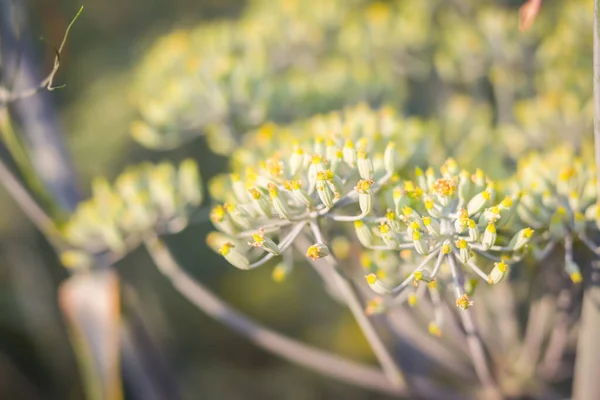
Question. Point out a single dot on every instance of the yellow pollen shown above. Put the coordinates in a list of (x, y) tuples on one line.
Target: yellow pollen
[(444, 187), (363, 186), (255, 194), (384, 228), (507, 202), (463, 302), (225, 249), (218, 213), (502, 266), (371, 279), (273, 191)]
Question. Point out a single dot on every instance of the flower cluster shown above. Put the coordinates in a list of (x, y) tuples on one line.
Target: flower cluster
[(350, 158), (448, 227), (559, 202), (325, 57), (240, 73), (444, 223), (143, 198)]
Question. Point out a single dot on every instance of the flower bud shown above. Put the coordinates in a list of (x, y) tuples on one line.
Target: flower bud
[(260, 203), (450, 167), (365, 166), (463, 302), (498, 273), (296, 160), (446, 247), (432, 209), (478, 179), (430, 177), (389, 158), (238, 215), (489, 236), (376, 285), (324, 191), (520, 239), (239, 189), (473, 230), (393, 221), (365, 197), (464, 188), (489, 215), (389, 237), (400, 200), (279, 204), (298, 193), (330, 149), (314, 168), (222, 221), (478, 202), (420, 178), (317, 251), (349, 153), (336, 160), (363, 233), (421, 245), (335, 184), (319, 146), (234, 257), (464, 251), (422, 276), (574, 271), (508, 207), (264, 243), (432, 225), (410, 215)]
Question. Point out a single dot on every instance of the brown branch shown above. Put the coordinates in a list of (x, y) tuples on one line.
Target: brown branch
[(7, 96), (319, 360)]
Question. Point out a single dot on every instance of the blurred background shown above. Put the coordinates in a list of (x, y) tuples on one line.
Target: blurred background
[(463, 64)]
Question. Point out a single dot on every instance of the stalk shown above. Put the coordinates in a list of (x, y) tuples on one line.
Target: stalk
[(586, 383)]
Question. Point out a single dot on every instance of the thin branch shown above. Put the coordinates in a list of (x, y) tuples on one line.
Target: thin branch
[(30, 207), (473, 338), (411, 277), (349, 292), (557, 343), (307, 356), (7, 96)]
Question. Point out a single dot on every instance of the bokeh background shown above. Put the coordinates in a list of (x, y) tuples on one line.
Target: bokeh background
[(491, 90)]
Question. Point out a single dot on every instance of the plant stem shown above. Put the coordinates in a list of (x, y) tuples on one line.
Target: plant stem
[(307, 356), (29, 206), (586, 383), (350, 294), (472, 335)]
